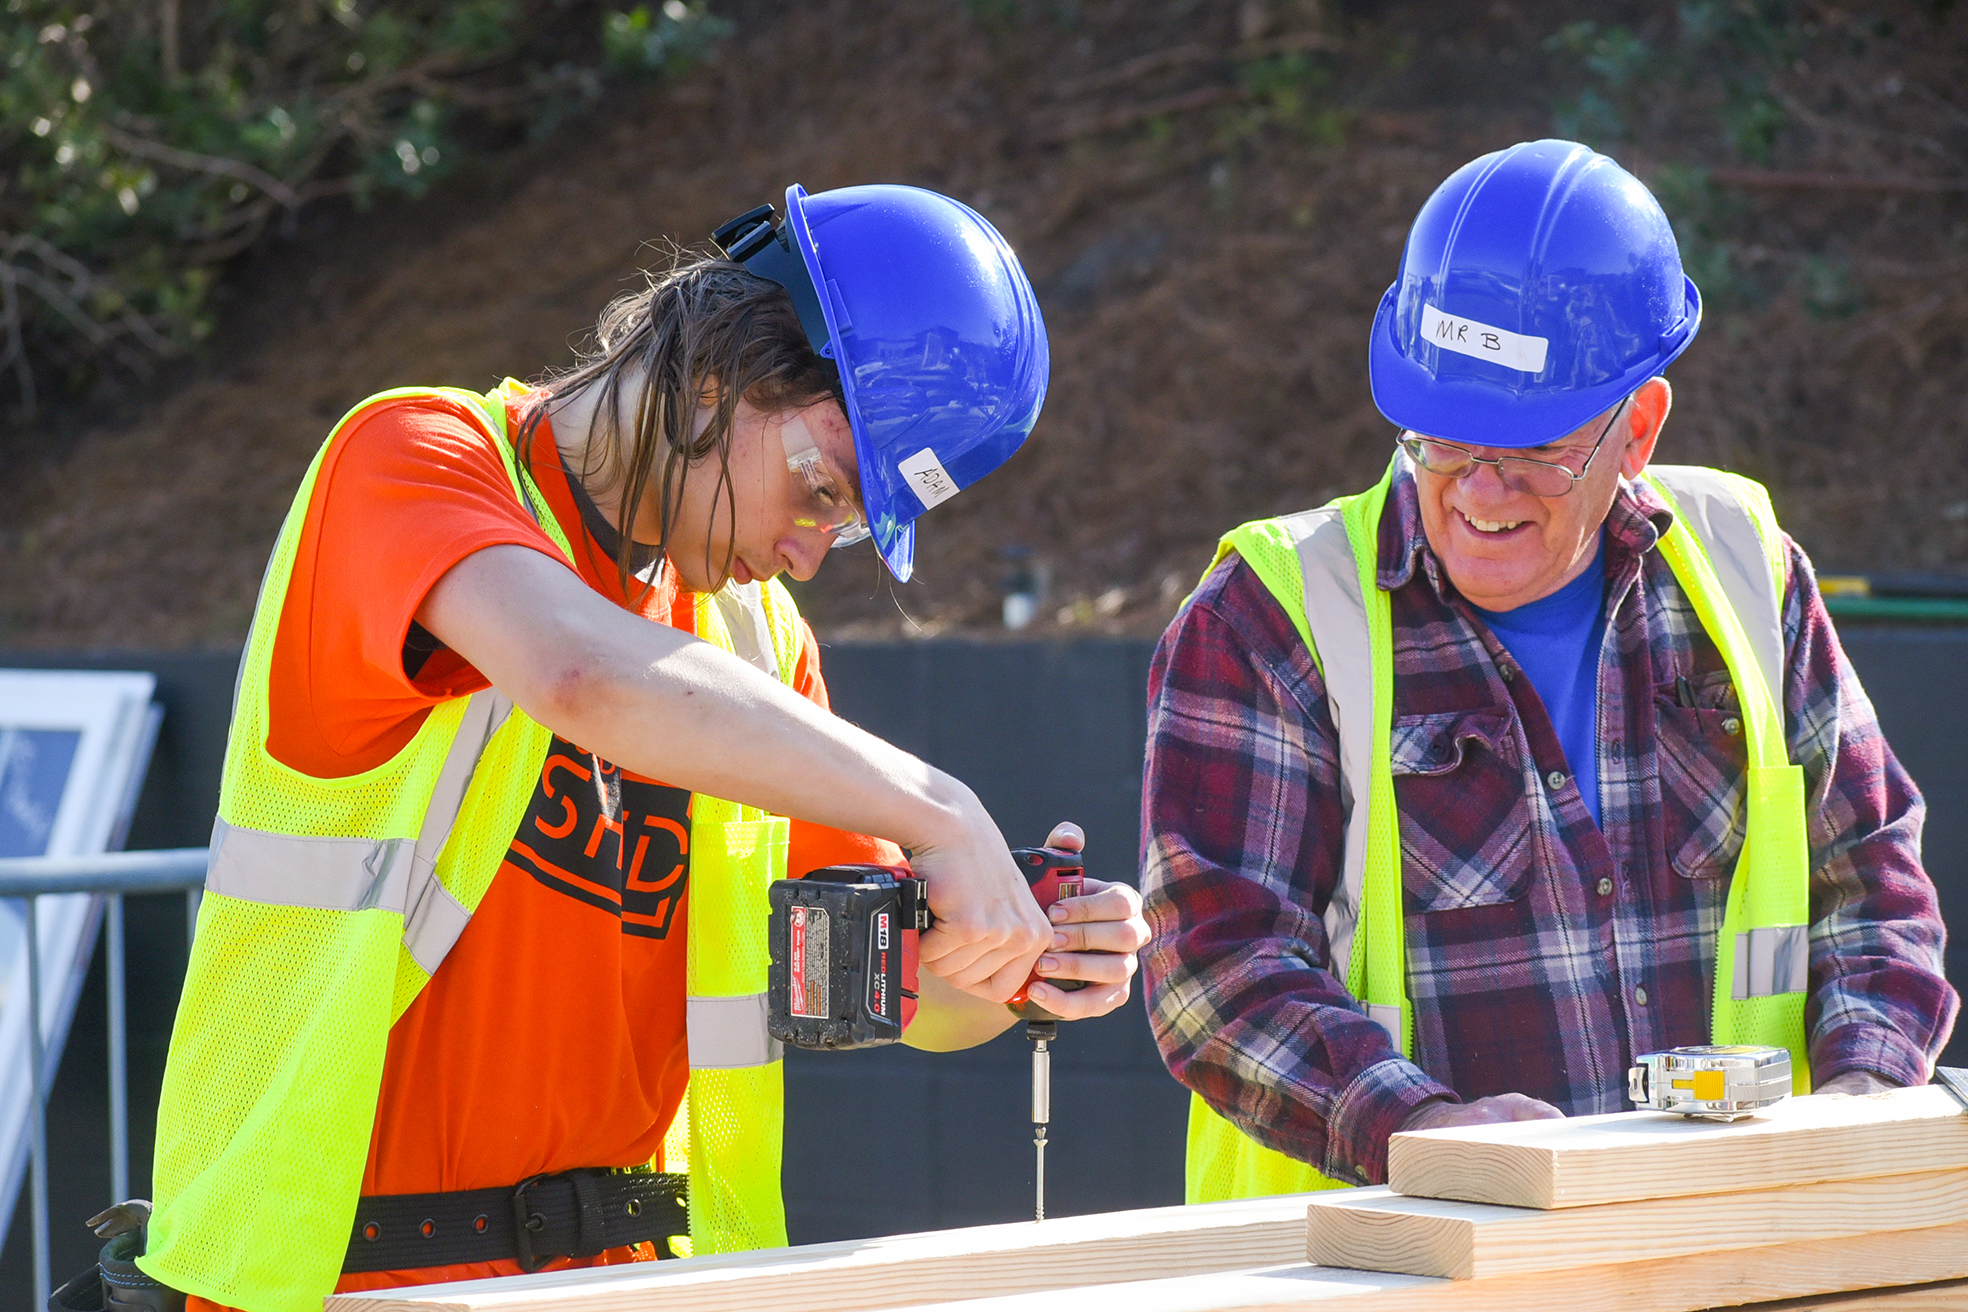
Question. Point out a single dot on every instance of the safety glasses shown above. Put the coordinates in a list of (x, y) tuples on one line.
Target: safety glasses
[(823, 500), (1538, 478)]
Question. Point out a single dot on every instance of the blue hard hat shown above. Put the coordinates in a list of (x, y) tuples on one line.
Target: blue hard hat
[(942, 351), (1540, 286)]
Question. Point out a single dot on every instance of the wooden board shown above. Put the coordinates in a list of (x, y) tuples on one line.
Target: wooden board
[(876, 1273), (1378, 1230), (1944, 1296), (978, 1271), (1629, 1155), (1744, 1277)]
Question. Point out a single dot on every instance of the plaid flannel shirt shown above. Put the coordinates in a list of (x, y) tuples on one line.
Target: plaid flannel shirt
[(1544, 951)]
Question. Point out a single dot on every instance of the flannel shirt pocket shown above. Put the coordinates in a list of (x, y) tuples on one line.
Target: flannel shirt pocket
[(1466, 826), (1703, 777)]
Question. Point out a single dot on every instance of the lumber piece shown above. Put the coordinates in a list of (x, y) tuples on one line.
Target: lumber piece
[(1379, 1230), (1944, 1296), (877, 1273), (1589, 1160), (1680, 1284)]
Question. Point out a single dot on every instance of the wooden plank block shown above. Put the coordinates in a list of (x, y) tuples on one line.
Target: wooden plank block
[(1680, 1284), (876, 1273), (1589, 1160), (1944, 1296), (1377, 1229)]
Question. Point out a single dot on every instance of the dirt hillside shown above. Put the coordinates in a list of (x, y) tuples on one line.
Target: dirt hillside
[(1211, 198)]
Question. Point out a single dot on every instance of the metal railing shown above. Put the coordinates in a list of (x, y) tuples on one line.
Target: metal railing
[(26, 879)]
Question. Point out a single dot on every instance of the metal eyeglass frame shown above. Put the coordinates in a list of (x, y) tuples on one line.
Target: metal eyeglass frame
[(1411, 442)]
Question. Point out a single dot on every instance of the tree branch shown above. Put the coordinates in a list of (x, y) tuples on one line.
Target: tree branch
[(216, 165)]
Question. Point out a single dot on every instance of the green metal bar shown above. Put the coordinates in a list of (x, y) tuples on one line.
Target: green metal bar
[(1933, 610)]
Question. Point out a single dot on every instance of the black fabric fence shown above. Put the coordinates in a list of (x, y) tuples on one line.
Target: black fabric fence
[(892, 1140)]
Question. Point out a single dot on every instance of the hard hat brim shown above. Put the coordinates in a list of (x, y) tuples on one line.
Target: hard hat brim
[(1412, 397)]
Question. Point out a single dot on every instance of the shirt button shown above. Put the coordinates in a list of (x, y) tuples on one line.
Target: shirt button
[(1732, 726), (1640, 996), (1605, 887), (1556, 779)]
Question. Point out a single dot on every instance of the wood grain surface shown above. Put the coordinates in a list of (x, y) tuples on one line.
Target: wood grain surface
[(1944, 1296), (876, 1273), (987, 1270), (1590, 1160), (1741, 1278), (1378, 1230)]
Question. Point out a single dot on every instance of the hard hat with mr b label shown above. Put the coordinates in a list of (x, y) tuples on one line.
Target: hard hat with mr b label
[(1540, 286), (934, 325)]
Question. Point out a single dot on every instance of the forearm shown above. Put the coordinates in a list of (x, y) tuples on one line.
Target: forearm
[(948, 1018), (1247, 1016), (670, 707)]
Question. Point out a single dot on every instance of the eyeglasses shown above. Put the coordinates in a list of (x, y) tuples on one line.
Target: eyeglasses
[(825, 503), (1538, 478)]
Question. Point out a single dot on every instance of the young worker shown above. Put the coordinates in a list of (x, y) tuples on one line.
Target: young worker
[(521, 707), (1528, 760)]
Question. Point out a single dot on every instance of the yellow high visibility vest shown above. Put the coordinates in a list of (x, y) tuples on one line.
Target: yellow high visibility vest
[(1727, 553), (330, 903)]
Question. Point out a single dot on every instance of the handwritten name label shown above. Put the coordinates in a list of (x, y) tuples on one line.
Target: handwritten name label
[(931, 483), (1483, 341)]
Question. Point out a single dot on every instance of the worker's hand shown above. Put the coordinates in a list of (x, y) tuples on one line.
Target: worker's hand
[(989, 931), (1094, 938), (1857, 1083), (1484, 1111)]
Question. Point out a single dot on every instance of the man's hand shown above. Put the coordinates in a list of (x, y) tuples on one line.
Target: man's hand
[(1095, 937), (1856, 1082), (1484, 1111), (989, 931)]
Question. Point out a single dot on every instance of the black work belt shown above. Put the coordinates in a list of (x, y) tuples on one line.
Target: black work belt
[(578, 1213)]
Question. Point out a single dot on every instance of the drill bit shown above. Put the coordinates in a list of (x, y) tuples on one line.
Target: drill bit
[(1041, 1033)]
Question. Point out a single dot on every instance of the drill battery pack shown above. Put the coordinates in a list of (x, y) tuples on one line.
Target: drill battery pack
[(843, 970)]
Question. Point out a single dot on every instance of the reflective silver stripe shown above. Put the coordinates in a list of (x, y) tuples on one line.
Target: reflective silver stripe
[(1337, 617), (1771, 960), (1389, 1019), (331, 874), (729, 1033), (433, 918), (433, 925), (1709, 506), (362, 874)]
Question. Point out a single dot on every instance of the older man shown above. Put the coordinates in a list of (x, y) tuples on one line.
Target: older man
[(1464, 791)]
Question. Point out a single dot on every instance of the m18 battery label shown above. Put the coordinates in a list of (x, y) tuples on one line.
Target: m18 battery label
[(809, 954)]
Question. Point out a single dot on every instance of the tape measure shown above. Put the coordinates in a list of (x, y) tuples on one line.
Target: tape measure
[(1712, 1082)]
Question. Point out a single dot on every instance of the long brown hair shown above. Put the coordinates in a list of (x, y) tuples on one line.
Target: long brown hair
[(701, 328)]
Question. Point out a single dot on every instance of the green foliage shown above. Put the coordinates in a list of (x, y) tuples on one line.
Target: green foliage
[(148, 141), (1621, 64), (1294, 92), (1751, 119), (674, 37), (1709, 67)]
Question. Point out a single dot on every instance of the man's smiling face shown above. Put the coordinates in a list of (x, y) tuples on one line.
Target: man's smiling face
[(1502, 548)]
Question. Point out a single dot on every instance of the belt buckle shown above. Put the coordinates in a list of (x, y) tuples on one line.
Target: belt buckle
[(526, 1225)]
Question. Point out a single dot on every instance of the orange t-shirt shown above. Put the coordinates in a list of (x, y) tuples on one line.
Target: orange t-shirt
[(553, 1034)]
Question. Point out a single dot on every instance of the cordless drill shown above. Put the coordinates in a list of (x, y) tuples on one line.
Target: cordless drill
[(843, 974)]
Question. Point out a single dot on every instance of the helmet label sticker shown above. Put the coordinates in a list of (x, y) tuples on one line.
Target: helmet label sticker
[(1483, 341), (931, 483)]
